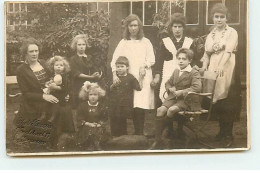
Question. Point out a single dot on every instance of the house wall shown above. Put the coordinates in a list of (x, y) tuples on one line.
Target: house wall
[(198, 17)]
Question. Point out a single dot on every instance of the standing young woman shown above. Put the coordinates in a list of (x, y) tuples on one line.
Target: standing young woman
[(219, 57), (140, 54)]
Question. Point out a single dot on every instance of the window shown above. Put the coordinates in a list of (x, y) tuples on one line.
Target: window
[(29, 21), (233, 8), (146, 10), (16, 7), (161, 4), (23, 7), (137, 8), (149, 11), (11, 22), (15, 19), (98, 6), (11, 7), (103, 6), (92, 6), (192, 12), (177, 6)]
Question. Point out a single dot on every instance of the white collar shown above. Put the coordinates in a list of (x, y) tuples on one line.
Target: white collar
[(178, 39), (91, 104), (83, 55), (187, 69)]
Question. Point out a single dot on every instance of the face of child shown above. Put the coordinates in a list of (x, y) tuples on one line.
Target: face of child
[(183, 61), (177, 30), (121, 69), (58, 67), (93, 97), (81, 46)]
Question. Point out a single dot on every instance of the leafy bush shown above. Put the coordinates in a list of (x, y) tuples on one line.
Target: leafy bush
[(55, 25)]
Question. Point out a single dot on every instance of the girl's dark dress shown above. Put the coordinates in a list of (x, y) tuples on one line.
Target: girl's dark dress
[(93, 114), (81, 65)]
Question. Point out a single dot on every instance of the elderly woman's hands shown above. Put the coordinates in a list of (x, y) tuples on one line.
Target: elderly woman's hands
[(50, 98)]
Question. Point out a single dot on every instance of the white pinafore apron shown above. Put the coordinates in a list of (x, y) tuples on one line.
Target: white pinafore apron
[(170, 66)]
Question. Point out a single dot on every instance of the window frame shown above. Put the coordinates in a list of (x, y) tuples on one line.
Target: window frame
[(156, 10), (108, 6), (224, 2), (10, 4), (17, 23)]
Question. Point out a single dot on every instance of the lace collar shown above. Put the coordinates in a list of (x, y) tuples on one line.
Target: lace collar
[(222, 32), (92, 105)]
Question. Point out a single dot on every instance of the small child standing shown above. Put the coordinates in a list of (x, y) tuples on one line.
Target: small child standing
[(183, 80), (91, 115), (121, 97)]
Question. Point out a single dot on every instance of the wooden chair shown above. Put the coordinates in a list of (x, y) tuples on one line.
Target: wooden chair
[(192, 117)]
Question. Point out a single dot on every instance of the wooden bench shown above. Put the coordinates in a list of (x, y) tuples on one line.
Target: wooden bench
[(11, 84)]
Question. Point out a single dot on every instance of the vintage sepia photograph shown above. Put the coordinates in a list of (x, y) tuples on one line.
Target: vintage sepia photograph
[(106, 77)]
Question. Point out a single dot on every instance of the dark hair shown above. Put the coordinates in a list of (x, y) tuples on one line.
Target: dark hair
[(176, 18), (122, 60), (26, 43), (219, 8), (127, 21), (189, 53)]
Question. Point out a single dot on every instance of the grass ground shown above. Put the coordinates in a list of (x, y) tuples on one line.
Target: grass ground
[(16, 144)]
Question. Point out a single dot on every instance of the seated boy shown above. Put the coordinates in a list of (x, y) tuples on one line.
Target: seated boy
[(121, 97), (183, 80)]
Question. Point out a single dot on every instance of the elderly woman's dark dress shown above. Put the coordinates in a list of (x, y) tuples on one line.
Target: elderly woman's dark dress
[(31, 84)]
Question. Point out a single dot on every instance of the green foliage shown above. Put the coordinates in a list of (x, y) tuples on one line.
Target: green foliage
[(161, 18), (55, 25), (94, 25)]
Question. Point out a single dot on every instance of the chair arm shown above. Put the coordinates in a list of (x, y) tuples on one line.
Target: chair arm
[(200, 94)]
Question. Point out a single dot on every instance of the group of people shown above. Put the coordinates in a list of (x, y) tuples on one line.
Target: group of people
[(142, 80)]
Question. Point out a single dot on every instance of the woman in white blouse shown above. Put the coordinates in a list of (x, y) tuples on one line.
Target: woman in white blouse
[(140, 54), (219, 57)]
